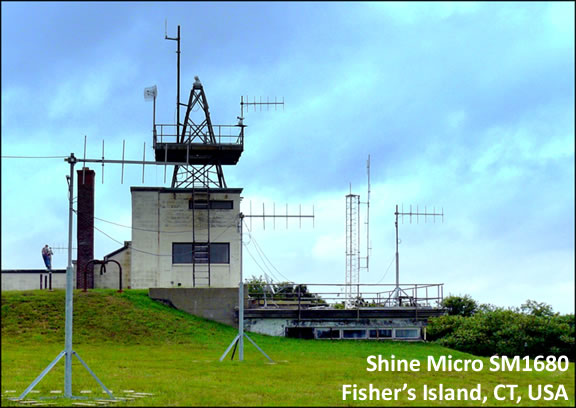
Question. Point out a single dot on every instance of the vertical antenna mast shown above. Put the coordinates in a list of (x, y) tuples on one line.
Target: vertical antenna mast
[(354, 262), (177, 39), (368, 218)]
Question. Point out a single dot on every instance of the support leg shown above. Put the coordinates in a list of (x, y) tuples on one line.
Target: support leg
[(230, 346), (94, 375), (42, 374), (234, 351), (259, 349)]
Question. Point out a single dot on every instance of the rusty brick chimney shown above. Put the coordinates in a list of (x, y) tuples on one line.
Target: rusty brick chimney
[(85, 227)]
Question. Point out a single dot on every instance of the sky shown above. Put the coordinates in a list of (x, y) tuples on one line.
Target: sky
[(466, 108)]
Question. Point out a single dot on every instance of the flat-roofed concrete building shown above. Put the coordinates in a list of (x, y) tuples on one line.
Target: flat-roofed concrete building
[(184, 237)]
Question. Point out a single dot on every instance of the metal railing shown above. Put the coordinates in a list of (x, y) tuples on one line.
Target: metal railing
[(333, 296), (224, 134)]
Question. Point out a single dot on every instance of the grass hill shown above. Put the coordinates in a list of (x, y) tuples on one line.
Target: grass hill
[(101, 316), (134, 343)]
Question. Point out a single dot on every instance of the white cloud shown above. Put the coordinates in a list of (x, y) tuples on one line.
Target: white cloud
[(412, 13), (87, 89)]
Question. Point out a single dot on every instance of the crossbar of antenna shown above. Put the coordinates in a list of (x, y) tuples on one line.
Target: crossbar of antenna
[(277, 216), (142, 162)]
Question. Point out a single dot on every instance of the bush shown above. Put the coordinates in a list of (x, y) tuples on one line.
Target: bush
[(531, 330), (460, 305)]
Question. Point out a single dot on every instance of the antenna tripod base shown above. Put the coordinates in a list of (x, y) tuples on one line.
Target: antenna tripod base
[(238, 339), (66, 394), (396, 297)]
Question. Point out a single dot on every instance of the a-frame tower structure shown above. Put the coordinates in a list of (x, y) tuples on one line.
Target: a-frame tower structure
[(196, 141)]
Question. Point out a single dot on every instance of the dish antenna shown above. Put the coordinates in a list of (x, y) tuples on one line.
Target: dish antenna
[(150, 94)]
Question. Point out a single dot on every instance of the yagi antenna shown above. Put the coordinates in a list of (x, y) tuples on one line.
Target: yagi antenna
[(259, 103), (397, 291), (287, 215)]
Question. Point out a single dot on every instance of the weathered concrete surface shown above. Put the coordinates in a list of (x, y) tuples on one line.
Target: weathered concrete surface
[(277, 327), (29, 279), (162, 217), (218, 304)]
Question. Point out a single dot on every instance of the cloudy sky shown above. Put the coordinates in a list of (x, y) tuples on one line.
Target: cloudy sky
[(466, 107)]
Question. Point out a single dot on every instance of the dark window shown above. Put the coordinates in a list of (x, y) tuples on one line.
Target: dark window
[(300, 332), (187, 253), (181, 253), (222, 204), (198, 204), (214, 204), (327, 334), (354, 334), (407, 333), (220, 253), (380, 333)]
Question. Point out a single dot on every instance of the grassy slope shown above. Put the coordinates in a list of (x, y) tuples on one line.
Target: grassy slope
[(132, 342)]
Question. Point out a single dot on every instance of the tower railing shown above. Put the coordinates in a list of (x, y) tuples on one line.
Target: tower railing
[(224, 134)]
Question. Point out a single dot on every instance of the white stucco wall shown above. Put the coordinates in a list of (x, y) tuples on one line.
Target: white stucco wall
[(29, 280), (110, 279), (160, 217)]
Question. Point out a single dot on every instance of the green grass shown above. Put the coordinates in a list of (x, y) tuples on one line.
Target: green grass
[(134, 343)]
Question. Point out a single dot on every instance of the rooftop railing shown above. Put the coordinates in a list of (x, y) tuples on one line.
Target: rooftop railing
[(337, 296)]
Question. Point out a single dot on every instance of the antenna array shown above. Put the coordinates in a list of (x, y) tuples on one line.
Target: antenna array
[(398, 293)]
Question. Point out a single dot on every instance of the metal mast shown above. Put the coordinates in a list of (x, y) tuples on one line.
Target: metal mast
[(367, 223), (68, 351), (352, 248), (194, 140), (353, 259)]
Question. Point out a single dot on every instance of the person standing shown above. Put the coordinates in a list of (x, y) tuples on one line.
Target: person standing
[(47, 256)]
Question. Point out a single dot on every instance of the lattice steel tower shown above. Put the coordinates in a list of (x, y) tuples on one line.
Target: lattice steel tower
[(204, 147), (352, 248)]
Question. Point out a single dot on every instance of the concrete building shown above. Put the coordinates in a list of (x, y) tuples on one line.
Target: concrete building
[(183, 237)]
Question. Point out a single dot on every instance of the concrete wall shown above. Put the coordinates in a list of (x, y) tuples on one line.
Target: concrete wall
[(217, 304), (277, 327), (110, 278), (23, 279), (160, 217)]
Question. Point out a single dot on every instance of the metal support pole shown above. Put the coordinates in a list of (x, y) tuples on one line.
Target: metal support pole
[(69, 288), (241, 299), (240, 337), (397, 258), (178, 92), (67, 353)]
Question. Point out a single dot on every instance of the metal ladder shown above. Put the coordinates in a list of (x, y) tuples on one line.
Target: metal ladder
[(201, 241)]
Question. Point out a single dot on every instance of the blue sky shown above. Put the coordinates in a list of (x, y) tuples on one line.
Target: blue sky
[(463, 106)]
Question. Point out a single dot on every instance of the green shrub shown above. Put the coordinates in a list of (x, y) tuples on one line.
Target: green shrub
[(531, 330), (460, 305)]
